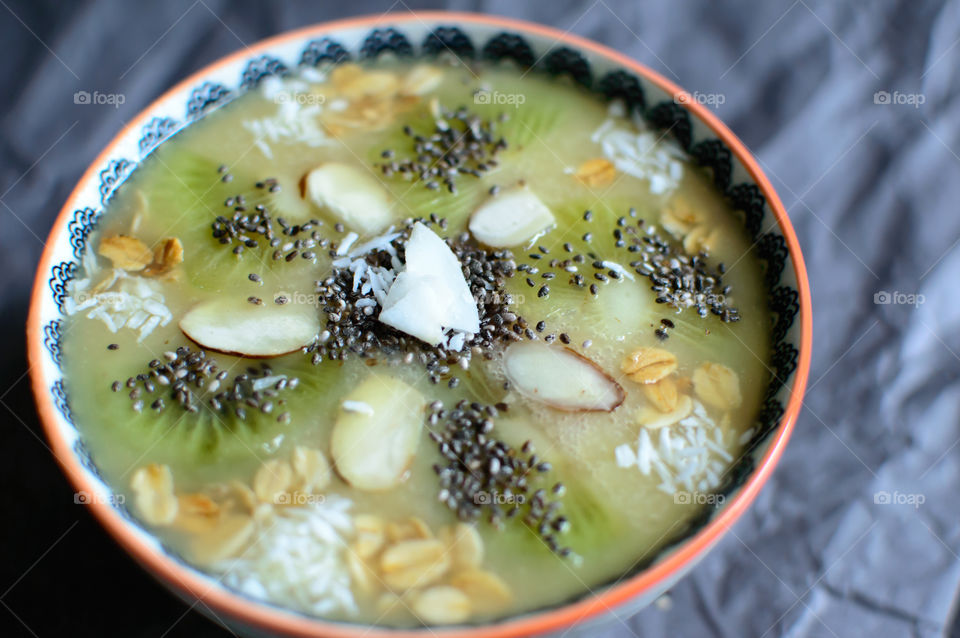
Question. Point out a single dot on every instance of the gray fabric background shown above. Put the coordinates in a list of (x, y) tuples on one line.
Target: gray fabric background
[(872, 190)]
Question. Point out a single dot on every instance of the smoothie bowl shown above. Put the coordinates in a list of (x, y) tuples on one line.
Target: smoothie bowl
[(420, 324)]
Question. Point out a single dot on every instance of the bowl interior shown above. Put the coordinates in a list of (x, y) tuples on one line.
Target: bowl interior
[(610, 75)]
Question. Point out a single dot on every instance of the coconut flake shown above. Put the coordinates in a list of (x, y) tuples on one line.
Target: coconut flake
[(293, 122), (298, 559), (344, 246), (625, 455), (693, 453), (359, 407), (121, 300), (430, 296), (642, 154), (617, 268)]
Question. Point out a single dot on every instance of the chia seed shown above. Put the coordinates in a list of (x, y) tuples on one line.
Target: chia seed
[(480, 474), (461, 144), (682, 280)]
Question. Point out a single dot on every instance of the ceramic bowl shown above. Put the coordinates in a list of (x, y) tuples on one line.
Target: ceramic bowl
[(612, 75)]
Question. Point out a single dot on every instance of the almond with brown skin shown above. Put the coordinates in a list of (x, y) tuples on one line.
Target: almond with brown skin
[(561, 378)]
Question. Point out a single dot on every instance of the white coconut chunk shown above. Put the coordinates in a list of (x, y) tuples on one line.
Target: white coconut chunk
[(510, 218), (431, 295), (254, 331), (351, 194), (560, 378)]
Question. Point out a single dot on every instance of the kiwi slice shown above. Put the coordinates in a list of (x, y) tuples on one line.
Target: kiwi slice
[(411, 197), (243, 410), (187, 194), (590, 523), (527, 116)]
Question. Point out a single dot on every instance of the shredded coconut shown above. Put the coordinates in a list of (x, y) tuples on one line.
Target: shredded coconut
[(642, 154), (297, 558), (358, 406), (121, 300), (263, 383), (344, 246), (614, 266), (690, 455), (296, 120)]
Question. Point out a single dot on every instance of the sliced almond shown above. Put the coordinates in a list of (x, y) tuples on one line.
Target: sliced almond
[(413, 564), (243, 329), (651, 417), (246, 497), (464, 544), (126, 253), (419, 527), (225, 541), (486, 591), (411, 529), (664, 394), (421, 79), (560, 378), (717, 385), (166, 256), (648, 365), (678, 218), (272, 481), (361, 574), (351, 194), (441, 605), (311, 469), (196, 513), (372, 449), (700, 239), (510, 218), (596, 172), (153, 494), (370, 534), (343, 74), (376, 84)]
